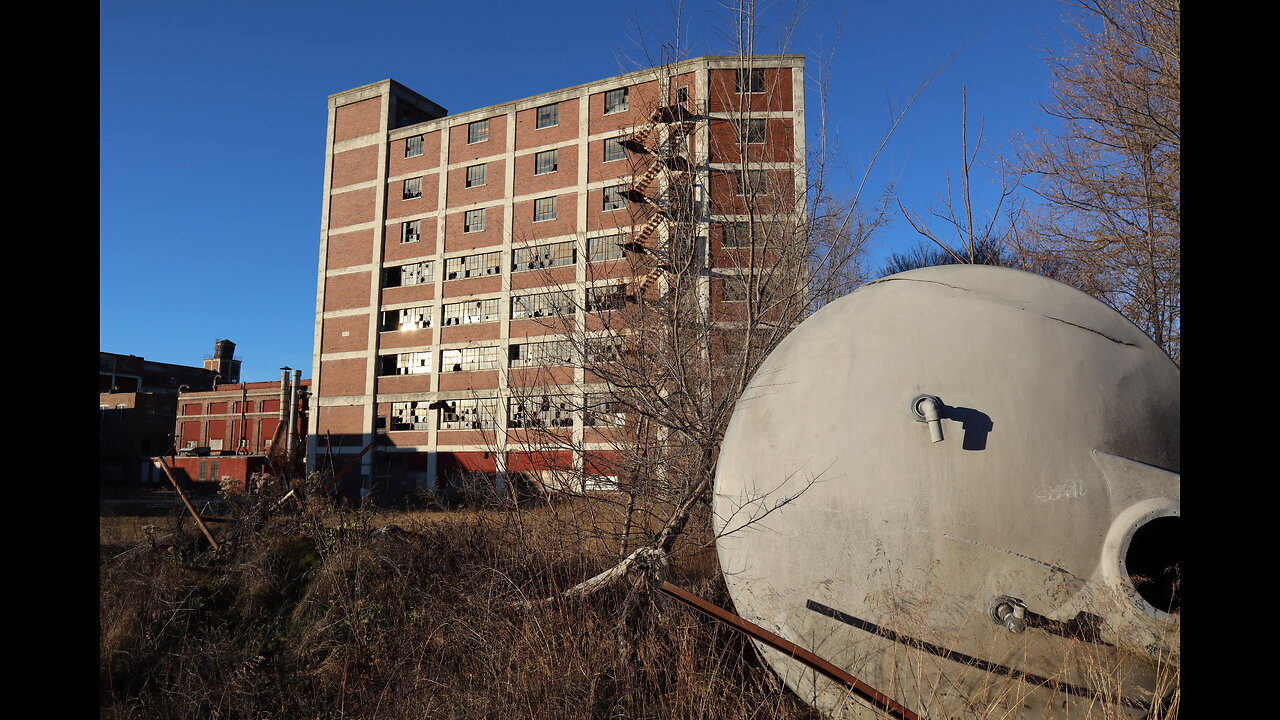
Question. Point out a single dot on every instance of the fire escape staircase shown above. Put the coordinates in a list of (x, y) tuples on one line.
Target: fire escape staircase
[(679, 122)]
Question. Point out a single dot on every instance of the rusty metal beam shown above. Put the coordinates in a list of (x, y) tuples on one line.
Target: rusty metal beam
[(200, 523), (877, 699)]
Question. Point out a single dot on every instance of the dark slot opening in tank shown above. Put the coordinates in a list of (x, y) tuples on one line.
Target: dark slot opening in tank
[(1154, 562)]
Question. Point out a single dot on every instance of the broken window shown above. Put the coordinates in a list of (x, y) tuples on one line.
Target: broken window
[(409, 231), (613, 199), (469, 414), (615, 101), (548, 116), (541, 411), (412, 318), (413, 188), (477, 175), (543, 256), (419, 273), (603, 409), (410, 363), (412, 415), (546, 161), (606, 297), (472, 311), (468, 266), (542, 304), (540, 354), (473, 221), (603, 349), (605, 247), (413, 146), (469, 359)]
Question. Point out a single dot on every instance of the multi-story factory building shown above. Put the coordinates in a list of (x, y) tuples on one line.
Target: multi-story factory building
[(458, 253)]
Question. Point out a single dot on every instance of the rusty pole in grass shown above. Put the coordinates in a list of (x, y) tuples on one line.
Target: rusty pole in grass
[(200, 523), (750, 629)]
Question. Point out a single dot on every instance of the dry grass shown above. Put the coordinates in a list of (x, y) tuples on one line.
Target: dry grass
[(321, 614)]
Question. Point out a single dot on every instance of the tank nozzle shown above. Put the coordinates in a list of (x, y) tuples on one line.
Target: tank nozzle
[(928, 409)]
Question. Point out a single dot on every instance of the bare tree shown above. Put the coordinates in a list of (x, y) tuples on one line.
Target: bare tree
[(1109, 179), (726, 241)]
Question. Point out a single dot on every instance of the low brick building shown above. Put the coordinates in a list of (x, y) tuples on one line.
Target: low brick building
[(224, 435)]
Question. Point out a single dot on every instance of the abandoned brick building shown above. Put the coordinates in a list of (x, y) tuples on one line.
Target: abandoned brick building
[(457, 253)]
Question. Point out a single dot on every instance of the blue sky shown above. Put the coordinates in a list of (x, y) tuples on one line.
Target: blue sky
[(213, 119)]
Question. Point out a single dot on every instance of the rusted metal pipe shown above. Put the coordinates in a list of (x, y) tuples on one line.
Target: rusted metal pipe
[(859, 688), (199, 523)]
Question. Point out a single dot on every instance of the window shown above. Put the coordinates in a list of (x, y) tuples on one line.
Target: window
[(613, 199), (749, 81), (419, 273), (412, 415), (544, 209), (469, 414), (606, 297), (734, 289), (410, 363), (472, 311), (414, 318), (542, 304), (469, 266), (740, 234), (548, 116), (473, 221), (409, 231), (477, 131), (751, 182), (605, 247), (413, 188), (541, 411), (613, 150), (469, 359), (603, 349), (413, 146), (543, 256), (477, 176), (538, 354), (603, 409), (752, 132), (682, 95), (615, 101), (545, 162)]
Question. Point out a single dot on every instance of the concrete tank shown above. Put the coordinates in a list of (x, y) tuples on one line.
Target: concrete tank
[(1007, 560)]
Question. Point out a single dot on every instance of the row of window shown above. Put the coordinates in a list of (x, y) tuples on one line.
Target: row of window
[(605, 247), (550, 353), (474, 220), (615, 101), (533, 305), (598, 409)]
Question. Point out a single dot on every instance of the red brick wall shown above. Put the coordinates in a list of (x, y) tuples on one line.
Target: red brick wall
[(351, 208), (342, 377), (357, 119), (332, 339), (346, 291), (354, 166), (348, 249)]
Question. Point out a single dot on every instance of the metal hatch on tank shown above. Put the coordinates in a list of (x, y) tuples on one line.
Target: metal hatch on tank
[(960, 484)]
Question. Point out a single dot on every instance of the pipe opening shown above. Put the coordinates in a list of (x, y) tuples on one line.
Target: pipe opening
[(1154, 562)]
